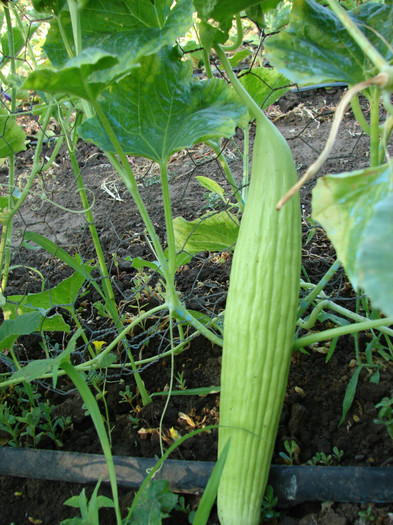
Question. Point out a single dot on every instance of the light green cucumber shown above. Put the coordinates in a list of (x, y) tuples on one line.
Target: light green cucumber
[(259, 328)]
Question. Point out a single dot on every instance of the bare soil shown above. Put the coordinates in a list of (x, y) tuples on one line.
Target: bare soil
[(316, 388)]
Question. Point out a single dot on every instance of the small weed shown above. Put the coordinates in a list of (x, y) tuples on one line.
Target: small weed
[(291, 455), (385, 415), (327, 460), (366, 515), (268, 504), (180, 381)]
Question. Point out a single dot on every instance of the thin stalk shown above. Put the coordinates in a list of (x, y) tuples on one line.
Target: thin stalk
[(228, 173), (362, 41), (358, 114), (110, 301), (124, 169), (25, 36), (239, 36), (95, 414), (245, 97), (168, 224), (206, 62), (246, 163), (11, 46), (341, 330), (374, 126), (306, 301), (327, 304)]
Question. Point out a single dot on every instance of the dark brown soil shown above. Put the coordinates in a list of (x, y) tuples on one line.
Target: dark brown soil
[(316, 387)]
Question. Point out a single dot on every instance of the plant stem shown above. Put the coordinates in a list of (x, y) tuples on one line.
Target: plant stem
[(358, 114), (305, 303), (245, 97), (220, 156), (124, 169), (374, 126), (95, 414), (169, 224), (239, 35), (359, 37), (341, 330)]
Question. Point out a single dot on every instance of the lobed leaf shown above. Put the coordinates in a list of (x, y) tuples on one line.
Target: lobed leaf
[(265, 85), (211, 233), (160, 109), (12, 137), (129, 30), (344, 205), (375, 256), (316, 48), (73, 77)]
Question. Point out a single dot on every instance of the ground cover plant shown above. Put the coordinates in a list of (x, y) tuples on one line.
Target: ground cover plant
[(144, 101)]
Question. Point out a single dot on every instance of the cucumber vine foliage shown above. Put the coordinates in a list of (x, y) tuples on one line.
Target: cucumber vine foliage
[(118, 74)]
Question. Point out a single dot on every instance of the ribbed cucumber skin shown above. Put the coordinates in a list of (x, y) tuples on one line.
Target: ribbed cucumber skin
[(259, 327)]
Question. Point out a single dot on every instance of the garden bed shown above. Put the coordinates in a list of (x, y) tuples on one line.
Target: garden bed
[(316, 388)]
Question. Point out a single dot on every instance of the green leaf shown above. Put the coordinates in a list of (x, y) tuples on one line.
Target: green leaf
[(316, 48), (209, 496), (210, 233), (60, 253), (19, 42), (160, 109), (210, 185), (155, 503), (12, 137), (25, 324), (265, 85), (375, 256), (37, 368), (350, 393), (344, 204), (129, 30), (64, 295), (239, 57), (73, 77), (49, 6), (221, 9)]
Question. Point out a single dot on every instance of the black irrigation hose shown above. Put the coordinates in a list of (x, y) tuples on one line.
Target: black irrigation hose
[(291, 484)]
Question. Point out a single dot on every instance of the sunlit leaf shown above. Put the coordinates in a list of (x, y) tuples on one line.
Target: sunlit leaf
[(210, 185), (160, 109), (73, 77), (155, 503), (128, 30), (375, 257), (344, 205), (211, 233), (12, 137), (265, 85), (316, 47), (49, 6)]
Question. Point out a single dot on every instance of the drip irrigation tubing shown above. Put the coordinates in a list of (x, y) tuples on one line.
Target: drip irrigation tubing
[(291, 484)]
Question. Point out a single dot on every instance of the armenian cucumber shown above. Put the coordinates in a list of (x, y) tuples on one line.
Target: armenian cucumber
[(259, 326)]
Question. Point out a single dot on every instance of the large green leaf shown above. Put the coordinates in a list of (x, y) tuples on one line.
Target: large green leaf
[(265, 85), (128, 30), (12, 137), (221, 9), (64, 295), (317, 48), (25, 324), (375, 256), (211, 233), (160, 109), (73, 77), (344, 205)]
